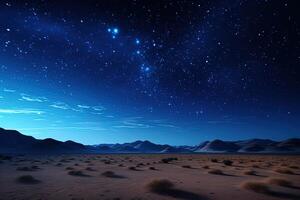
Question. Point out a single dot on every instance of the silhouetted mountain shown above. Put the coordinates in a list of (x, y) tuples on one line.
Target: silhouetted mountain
[(251, 146), (200, 146), (254, 145), (57, 146), (290, 143), (12, 141), (171, 149), (219, 146)]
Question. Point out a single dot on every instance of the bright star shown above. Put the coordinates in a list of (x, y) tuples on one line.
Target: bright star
[(116, 31), (137, 41), (145, 68)]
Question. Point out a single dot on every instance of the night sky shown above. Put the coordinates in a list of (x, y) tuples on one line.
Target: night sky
[(176, 72)]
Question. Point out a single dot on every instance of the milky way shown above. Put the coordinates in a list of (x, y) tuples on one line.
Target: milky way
[(168, 71)]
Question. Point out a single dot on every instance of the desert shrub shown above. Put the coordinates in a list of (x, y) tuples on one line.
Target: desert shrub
[(111, 174), (205, 167), (214, 160), (167, 160), (256, 186), (159, 186), (279, 181), (64, 160), (131, 168), (294, 167), (227, 162), (152, 168), (27, 179), (108, 174), (215, 171), (3, 157), (35, 167), (69, 168), (284, 171), (249, 172), (24, 169), (89, 169), (76, 173), (186, 166)]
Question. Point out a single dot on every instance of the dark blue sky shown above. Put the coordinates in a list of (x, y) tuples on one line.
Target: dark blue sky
[(176, 72)]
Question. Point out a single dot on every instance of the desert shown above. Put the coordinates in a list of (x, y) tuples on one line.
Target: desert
[(150, 176)]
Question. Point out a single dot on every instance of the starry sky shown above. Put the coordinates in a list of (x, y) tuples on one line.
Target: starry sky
[(176, 72)]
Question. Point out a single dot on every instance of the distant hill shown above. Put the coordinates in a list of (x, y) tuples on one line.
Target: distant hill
[(251, 146), (12, 141), (140, 147)]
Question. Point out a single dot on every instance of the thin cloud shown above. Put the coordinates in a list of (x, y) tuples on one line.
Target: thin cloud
[(21, 111), (64, 128), (140, 122), (97, 113), (39, 119), (9, 90), (168, 125), (98, 108), (83, 106), (133, 122), (60, 105), (123, 126), (32, 99)]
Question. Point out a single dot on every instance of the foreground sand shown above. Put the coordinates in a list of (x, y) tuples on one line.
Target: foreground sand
[(57, 177)]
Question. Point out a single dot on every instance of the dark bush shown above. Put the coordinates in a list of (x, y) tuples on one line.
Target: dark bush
[(227, 162), (27, 179), (160, 186), (167, 160)]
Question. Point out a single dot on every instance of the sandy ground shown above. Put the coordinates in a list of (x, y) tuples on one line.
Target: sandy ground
[(193, 181)]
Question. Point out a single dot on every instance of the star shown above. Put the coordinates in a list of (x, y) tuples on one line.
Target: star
[(145, 68), (114, 32)]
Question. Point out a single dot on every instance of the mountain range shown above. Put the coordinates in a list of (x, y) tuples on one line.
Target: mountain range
[(12, 141)]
